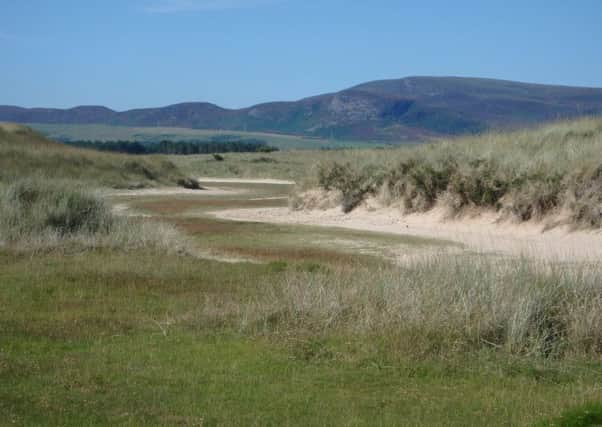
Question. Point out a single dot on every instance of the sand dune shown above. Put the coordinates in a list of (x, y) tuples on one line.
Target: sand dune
[(482, 233)]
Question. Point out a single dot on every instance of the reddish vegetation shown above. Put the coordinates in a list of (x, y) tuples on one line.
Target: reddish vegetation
[(296, 254), (170, 206)]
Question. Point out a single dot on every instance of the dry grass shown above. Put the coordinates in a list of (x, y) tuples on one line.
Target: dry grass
[(437, 307), (40, 214), (24, 152), (530, 174)]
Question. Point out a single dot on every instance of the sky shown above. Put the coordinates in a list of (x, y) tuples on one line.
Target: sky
[(235, 53)]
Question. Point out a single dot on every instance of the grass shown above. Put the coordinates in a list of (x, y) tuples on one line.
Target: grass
[(467, 302), (154, 134), (319, 332), (531, 174), (24, 152), (102, 339), (40, 214), (583, 416), (296, 165), (270, 242)]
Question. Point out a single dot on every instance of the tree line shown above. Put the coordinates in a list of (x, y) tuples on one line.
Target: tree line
[(177, 147)]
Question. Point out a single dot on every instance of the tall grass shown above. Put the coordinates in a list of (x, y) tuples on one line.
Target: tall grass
[(530, 174), (437, 307), (50, 214)]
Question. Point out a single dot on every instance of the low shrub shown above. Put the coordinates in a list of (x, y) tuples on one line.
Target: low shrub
[(45, 214), (35, 207), (354, 186), (442, 305), (525, 174), (189, 183)]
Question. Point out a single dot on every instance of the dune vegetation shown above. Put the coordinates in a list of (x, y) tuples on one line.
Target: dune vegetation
[(38, 214), (50, 199), (525, 175), (122, 320), (24, 152)]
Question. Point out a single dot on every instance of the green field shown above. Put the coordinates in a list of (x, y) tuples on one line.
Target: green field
[(107, 337), (158, 313), (154, 134)]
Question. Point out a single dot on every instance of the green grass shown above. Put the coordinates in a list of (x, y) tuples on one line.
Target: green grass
[(582, 416), (153, 134), (318, 332), (297, 165), (102, 339)]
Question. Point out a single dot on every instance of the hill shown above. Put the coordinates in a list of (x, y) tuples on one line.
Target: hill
[(411, 108), (26, 153)]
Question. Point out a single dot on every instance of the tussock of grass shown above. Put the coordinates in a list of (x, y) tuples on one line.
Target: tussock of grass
[(527, 175), (38, 214), (436, 308)]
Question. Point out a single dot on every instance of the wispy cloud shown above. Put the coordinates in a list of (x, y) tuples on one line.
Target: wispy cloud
[(175, 6)]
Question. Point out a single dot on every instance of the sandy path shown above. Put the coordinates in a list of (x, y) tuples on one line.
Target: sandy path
[(206, 191), (246, 181), (177, 191), (480, 234)]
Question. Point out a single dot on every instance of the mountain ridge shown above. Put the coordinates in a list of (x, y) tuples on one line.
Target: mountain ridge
[(410, 108)]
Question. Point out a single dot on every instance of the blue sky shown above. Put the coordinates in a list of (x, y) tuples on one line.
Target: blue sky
[(138, 53)]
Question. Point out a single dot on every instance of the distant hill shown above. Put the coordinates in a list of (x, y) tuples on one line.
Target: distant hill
[(404, 109)]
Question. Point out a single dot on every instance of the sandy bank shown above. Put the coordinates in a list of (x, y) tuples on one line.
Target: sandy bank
[(245, 181), (176, 191), (481, 233)]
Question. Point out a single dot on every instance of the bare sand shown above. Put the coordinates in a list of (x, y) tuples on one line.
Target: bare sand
[(482, 234), (246, 180), (206, 191), (176, 191)]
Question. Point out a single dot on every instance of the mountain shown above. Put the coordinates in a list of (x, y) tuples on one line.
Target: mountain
[(402, 109)]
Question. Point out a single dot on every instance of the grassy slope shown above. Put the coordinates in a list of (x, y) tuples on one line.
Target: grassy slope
[(25, 153), (525, 174)]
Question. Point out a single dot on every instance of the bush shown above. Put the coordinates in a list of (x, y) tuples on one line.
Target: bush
[(218, 157), (584, 199), (36, 207), (139, 168), (418, 183), (354, 186), (527, 175), (189, 183), (37, 213)]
